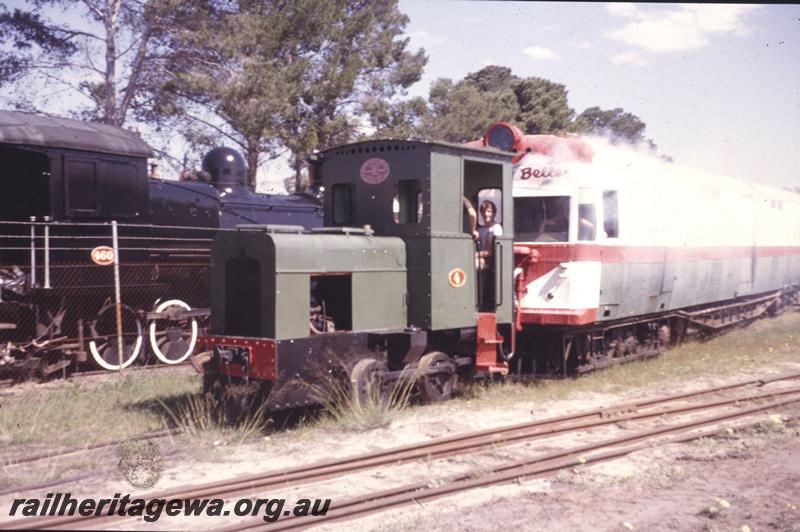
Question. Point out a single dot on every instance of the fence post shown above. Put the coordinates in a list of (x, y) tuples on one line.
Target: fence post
[(47, 252), (33, 251), (118, 297)]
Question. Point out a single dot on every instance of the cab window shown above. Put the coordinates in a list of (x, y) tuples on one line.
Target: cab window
[(610, 214), (408, 205), (541, 219), (342, 196), (587, 222)]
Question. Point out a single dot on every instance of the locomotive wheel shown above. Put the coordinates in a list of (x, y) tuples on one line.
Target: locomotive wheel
[(369, 386), (439, 386), (103, 345), (172, 341)]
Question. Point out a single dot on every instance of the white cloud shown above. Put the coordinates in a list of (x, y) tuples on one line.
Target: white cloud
[(629, 58), (540, 52), (546, 29), (583, 45), (683, 27), (622, 9), (423, 39)]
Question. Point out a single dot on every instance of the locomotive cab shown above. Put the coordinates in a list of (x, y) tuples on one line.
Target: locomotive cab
[(422, 192)]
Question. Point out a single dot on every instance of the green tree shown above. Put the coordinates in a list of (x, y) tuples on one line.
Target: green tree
[(543, 106), (617, 124), (103, 57), (30, 36), (284, 76), (462, 111), (398, 120)]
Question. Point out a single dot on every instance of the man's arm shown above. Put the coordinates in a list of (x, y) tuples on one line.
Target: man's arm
[(473, 218)]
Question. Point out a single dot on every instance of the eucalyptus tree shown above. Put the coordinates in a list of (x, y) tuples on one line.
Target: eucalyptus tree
[(284, 77), (101, 50)]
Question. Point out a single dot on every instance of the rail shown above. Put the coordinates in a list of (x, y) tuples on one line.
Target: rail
[(731, 408)]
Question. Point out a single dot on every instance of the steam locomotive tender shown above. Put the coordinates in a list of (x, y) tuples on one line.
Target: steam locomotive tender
[(391, 280), (64, 181)]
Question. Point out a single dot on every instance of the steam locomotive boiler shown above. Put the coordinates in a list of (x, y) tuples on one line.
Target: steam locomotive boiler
[(64, 183)]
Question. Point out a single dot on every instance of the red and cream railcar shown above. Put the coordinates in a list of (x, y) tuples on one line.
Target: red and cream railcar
[(619, 252)]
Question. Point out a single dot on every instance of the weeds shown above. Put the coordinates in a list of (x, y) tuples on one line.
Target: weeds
[(371, 404), (205, 417)]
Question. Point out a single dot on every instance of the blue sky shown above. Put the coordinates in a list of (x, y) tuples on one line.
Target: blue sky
[(717, 85)]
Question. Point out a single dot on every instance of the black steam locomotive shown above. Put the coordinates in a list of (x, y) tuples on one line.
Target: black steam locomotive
[(77, 198)]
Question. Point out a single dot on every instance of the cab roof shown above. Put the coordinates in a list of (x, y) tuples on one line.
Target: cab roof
[(37, 130)]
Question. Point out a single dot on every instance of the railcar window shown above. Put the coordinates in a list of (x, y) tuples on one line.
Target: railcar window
[(587, 221), (541, 219), (81, 187), (610, 214), (342, 199), (407, 205)]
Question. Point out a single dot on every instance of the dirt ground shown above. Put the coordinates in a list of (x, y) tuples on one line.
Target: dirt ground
[(749, 479), (746, 481)]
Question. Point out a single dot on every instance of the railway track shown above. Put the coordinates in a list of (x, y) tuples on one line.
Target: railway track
[(662, 408), (593, 453), (27, 459)]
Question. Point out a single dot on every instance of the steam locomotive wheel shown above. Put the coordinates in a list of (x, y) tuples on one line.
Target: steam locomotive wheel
[(172, 341), (439, 385), (368, 383), (103, 345)]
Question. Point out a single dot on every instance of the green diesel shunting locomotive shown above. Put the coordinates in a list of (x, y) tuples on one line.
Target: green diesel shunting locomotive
[(392, 286)]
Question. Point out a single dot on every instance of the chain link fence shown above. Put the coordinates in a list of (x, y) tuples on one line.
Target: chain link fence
[(82, 296)]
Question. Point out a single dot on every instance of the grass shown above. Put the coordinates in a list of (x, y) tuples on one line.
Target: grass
[(78, 414), (204, 419), (750, 350), (375, 407), (82, 412)]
